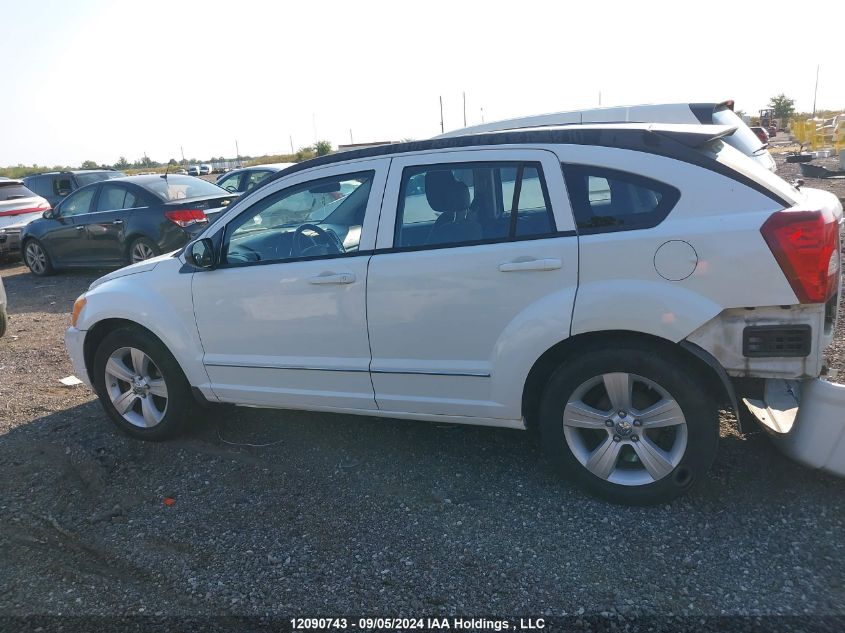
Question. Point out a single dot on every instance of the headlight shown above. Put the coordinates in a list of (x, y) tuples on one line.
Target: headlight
[(77, 308)]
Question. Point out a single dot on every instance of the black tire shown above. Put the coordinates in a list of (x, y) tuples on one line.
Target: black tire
[(666, 370), (180, 404), (141, 245), (36, 258), (2, 322)]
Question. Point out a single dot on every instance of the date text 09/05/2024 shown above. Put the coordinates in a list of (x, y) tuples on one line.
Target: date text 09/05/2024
[(465, 624)]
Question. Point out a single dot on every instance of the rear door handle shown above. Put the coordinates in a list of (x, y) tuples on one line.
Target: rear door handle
[(80, 228), (117, 222), (332, 278), (549, 263)]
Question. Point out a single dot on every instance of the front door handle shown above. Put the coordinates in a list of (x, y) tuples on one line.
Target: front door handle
[(118, 222), (550, 263), (80, 228), (332, 278)]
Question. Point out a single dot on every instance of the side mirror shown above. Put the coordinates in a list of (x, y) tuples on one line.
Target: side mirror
[(201, 254), (47, 214)]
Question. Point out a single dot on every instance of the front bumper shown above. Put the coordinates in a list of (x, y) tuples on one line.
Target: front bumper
[(75, 345), (806, 420)]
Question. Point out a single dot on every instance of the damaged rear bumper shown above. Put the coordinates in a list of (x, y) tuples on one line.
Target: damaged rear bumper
[(806, 420)]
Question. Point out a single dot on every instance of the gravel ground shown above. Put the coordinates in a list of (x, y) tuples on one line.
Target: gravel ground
[(352, 515)]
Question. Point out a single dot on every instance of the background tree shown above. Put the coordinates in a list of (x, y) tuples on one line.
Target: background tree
[(172, 161), (88, 164), (304, 153), (323, 147), (783, 106), (122, 163)]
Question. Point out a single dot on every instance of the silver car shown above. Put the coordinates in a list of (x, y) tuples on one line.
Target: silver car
[(18, 207)]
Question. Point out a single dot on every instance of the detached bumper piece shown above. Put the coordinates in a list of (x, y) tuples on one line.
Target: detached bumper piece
[(806, 420)]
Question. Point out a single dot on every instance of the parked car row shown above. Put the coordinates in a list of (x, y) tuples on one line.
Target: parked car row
[(120, 221), (604, 284)]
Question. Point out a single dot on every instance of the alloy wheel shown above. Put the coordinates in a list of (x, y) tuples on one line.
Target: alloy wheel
[(36, 258), (136, 387), (625, 429), (140, 252)]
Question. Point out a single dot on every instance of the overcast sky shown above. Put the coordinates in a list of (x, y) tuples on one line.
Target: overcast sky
[(92, 79)]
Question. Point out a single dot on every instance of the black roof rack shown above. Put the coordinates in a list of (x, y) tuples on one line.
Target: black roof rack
[(680, 142), (667, 140)]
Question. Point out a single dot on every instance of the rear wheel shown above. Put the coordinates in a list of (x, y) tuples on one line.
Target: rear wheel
[(142, 249), (36, 258), (630, 425), (141, 386)]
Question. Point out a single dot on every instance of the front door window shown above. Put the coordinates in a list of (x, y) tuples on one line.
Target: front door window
[(318, 218), (78, 202)]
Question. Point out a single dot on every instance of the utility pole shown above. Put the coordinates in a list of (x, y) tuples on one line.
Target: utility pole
[(351, 142), (465, 109), (482, 115), (291, 143), (599, 97), (237, 153), (441, 114), (182, 149), (816, 91)]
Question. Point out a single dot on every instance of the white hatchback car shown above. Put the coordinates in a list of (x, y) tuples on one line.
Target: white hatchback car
[(743, 138), (602, 284)]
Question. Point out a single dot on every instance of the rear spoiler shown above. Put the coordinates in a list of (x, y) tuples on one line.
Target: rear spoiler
[(694, 136)]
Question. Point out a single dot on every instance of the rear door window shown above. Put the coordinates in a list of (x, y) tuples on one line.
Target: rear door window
[(460, 203), (112, 198), (606, 200)]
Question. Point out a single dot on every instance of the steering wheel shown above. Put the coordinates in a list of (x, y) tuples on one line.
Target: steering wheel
[(327, 237)]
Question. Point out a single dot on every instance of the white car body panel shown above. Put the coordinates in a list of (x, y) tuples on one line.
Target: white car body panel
[(415, 298), (142, 296), (271, 336), (806, 420), (730, 264)]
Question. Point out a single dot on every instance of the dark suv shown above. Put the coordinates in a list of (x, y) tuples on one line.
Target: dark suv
[(55, 185)]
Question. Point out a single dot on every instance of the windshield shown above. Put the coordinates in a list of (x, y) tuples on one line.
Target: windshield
[(743, 139), (182, 188), (88, 178)]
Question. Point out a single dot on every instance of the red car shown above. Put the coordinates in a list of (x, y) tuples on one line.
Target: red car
[(761, 133)]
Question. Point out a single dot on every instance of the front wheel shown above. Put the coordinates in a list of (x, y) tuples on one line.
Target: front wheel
[(36, 258), (141, 385), (629, 425)]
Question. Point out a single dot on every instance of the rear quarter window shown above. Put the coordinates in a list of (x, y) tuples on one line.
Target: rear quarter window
[(605, 200)]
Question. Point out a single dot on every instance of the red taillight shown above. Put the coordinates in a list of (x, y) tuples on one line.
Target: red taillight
[(806, 246), (186, 217)]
